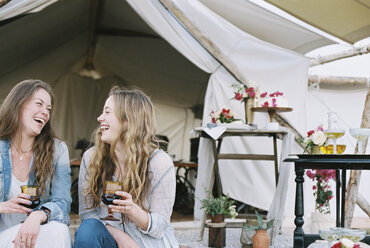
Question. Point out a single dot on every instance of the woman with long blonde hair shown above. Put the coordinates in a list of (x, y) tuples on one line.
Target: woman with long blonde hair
[(31, 155), (126, 151)]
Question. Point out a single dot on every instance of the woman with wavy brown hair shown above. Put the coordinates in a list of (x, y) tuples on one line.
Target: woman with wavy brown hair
[(127, 151), (31, 155)]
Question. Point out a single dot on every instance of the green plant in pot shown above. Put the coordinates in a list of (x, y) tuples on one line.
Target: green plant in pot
[(219, 207), (261, 239)]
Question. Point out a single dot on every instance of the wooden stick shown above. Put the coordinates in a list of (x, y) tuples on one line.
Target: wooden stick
[(211, 47), (334, 81), (340, 55), (354, 181)]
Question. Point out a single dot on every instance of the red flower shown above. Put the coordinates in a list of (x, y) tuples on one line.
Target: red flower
[(238, 96), (263, 95), (265, 104), (356, 246), (225, 111), (272, 95), (252, 94), (309, 133), (277, 93), (314, 187), (337, 245)]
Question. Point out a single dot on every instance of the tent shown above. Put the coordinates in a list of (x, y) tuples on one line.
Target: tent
[(142, 43)]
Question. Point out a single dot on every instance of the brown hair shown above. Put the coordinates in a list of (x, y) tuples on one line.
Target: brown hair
[(43, 147), (138, 137)]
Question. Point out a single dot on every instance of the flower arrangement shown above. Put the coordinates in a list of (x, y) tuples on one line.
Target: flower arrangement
[(223, 116), (220, 205), (315, 137), (345, 243), (273, 96), (243, 93), (322, 190)]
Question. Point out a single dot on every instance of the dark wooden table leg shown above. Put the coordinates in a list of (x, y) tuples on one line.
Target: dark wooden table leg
[(299, 207), (337, 195), (216, 151), (343, 197)]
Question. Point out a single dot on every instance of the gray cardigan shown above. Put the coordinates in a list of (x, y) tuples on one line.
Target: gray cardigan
[(159, 201)]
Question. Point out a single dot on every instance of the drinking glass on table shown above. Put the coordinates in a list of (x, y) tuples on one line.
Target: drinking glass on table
[(110, 187), (334, 131), (33, 192)]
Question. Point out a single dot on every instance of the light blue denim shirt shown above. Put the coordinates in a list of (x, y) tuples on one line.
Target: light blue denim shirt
[(57, 195), (159, 201)]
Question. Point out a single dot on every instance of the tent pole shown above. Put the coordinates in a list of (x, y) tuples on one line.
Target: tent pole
[(354, 180), (204, 41), (340, 55), (331, 81)]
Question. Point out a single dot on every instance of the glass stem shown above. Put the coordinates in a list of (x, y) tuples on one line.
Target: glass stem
[(334, 146), (359, 144), (110, 213)]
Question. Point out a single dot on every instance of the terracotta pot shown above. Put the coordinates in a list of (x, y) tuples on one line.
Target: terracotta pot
[(218, 218), (249, 114), (261, 239)]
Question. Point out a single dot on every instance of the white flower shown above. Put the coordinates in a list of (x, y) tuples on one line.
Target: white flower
[(319, 138), (232, 211), (347, 243), (218, 121), (245, 95)]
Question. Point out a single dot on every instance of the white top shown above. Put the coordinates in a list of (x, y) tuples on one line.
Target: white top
[(9, 220)]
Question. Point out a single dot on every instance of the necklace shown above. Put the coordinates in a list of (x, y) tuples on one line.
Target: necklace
[(21, 152)]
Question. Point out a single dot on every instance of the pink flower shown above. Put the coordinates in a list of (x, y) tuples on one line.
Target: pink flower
[(274, 102), (277, 93), (263, 95), (314, 187), (320, 128)]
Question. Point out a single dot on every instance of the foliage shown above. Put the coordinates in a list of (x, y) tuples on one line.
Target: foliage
[(261, 225), (322, 190), (219, 205)]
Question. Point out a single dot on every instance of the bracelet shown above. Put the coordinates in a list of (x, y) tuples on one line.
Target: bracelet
[(47, 212)]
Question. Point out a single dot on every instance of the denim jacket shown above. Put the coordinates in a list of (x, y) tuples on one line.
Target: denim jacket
[(57, 195)]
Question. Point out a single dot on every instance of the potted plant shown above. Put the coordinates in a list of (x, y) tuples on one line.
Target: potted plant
[(261, 239), (219, 207)]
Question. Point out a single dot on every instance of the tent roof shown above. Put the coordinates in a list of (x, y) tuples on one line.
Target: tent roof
[(348, 20)]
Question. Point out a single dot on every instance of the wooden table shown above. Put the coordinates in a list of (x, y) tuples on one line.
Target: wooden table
[(340, 163), (216, 147)]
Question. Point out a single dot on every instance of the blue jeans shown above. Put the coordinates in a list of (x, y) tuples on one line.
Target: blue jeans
[(93, 233)]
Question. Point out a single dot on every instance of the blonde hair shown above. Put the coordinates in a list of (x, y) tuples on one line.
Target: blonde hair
[(134, 109), (43, 147)]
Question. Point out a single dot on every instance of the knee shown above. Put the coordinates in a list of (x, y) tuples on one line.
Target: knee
[(88, 233)]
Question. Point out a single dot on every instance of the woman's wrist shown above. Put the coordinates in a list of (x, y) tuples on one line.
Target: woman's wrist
[(40, 215), (139, 217)]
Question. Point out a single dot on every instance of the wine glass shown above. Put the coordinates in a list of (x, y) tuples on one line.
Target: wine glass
[(360, 134), (329, 235), (334, 131), (355, 235), (33, 192), (110, 187)]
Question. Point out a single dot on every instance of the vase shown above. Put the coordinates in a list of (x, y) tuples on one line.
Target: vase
[(315, 149), (261, 239), (321, 221), (217, 218), (249, 114)]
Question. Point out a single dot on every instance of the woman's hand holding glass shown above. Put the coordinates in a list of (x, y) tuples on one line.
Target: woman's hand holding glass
[(14, 205), (125, 205)]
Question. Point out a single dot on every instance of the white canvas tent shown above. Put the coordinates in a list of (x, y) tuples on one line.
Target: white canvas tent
[(51, 45)]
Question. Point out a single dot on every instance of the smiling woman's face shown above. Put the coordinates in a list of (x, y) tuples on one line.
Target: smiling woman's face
[(35, 113), (109, 122)]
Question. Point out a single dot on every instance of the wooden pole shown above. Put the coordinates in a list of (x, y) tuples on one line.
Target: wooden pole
[(211, 47), (354, 181), (334, 81), (340, 55)]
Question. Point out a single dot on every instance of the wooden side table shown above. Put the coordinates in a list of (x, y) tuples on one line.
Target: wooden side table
[(216, 147)]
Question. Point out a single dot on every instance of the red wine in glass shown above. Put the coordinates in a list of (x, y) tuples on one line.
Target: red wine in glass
[(108, 196)]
